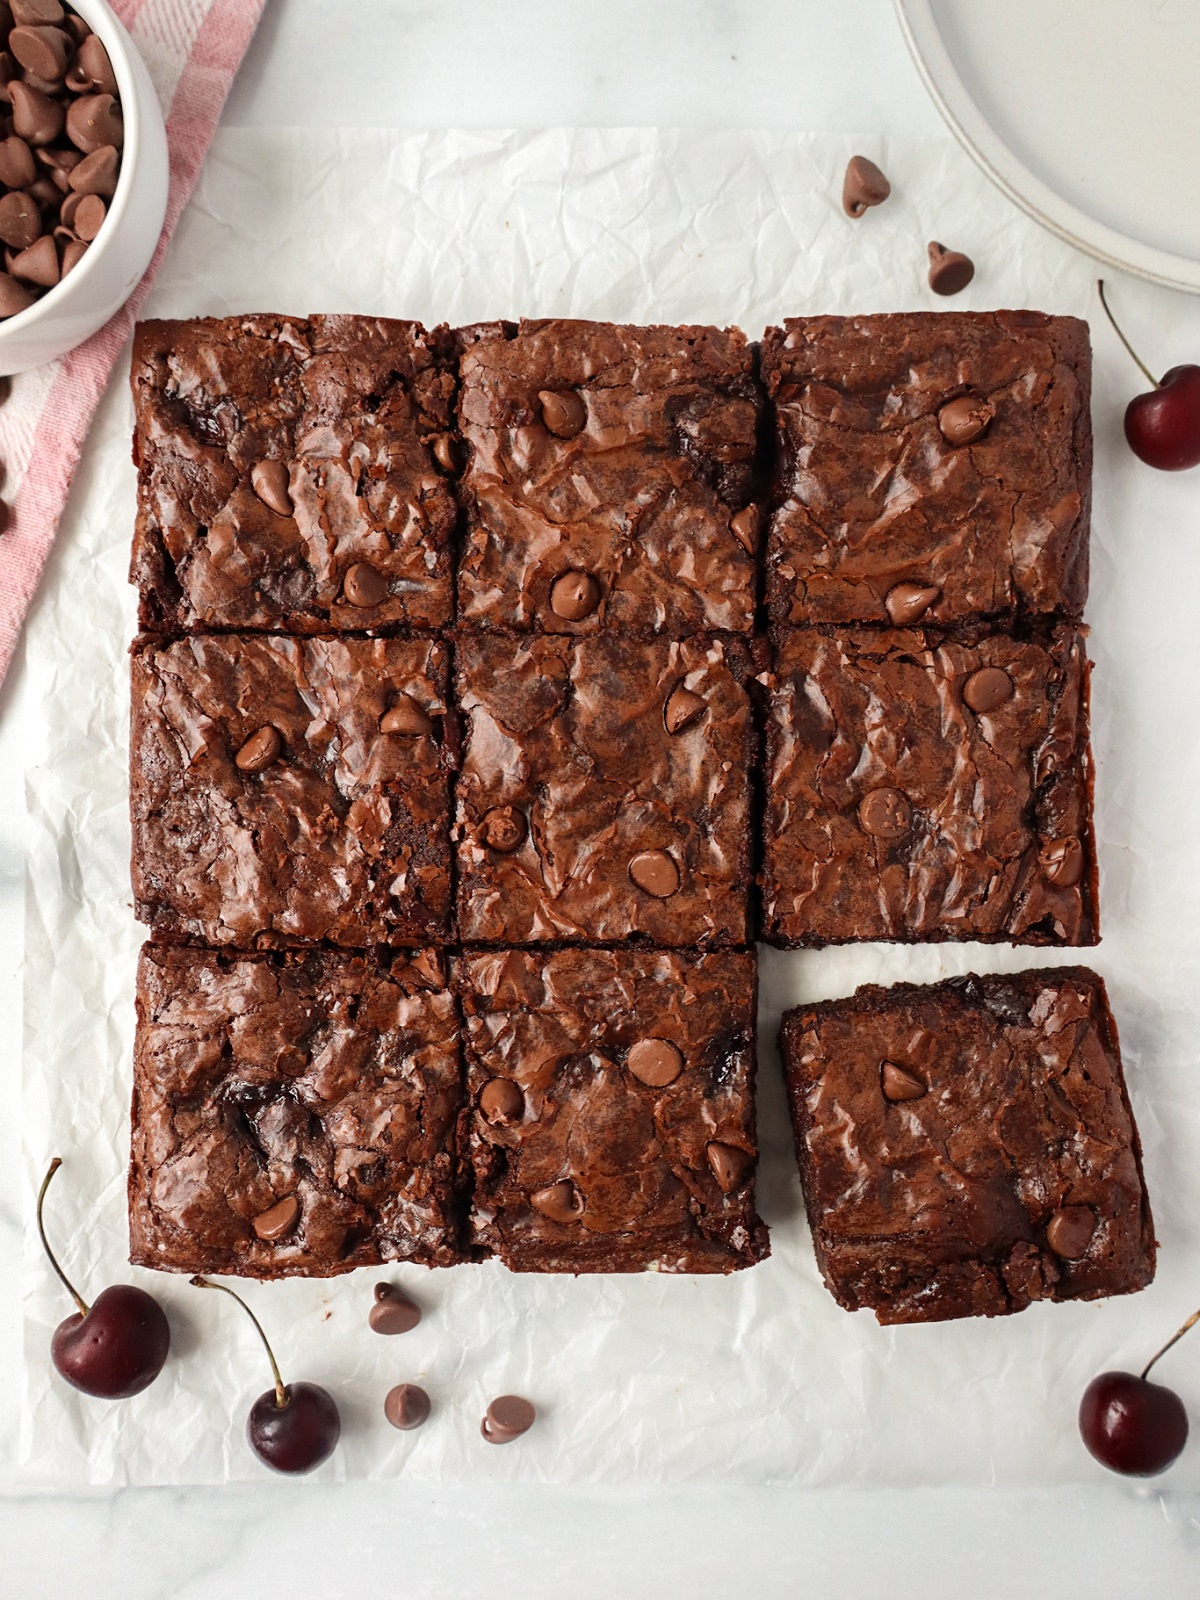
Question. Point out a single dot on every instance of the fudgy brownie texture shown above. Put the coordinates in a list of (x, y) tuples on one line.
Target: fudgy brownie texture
[(604, 792), (610, 1109), (293, 1113), (285, 790), (932, 467), (609, 479), (968, 1147), (293, 474), (926, 788)]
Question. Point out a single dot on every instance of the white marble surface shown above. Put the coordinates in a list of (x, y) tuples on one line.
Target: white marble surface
[(806, 64)]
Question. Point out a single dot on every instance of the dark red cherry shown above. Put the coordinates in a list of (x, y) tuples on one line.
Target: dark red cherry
[(116, 1346), (1132, 1425), (1163, 426)]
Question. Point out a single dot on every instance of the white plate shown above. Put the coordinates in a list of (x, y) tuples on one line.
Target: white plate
[(1083, 111)]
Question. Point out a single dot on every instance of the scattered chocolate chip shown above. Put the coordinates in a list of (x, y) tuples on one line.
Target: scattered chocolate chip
[(655, 1062), (89, 216), (949, 270), (559, 1202), (20, 221), (501, 1100), (93, 121), (38, 264), (744, 526), (885, 813), (393, 1311), (37, 117), (261, 750), (987, 689), (97, 173), (364, 586), (17, 167), (864, 185), (407, 1406), (278, 1220), (682, 709), (445, 452), (655, 872), (508, 1417), (965, 419), (407, 717), (905, 603), (503, 829), (563, 412), (898, 1083), (269, 480), (1062, 861), (729, 1164), (574, 595), (1069, 1231), (14, 296)]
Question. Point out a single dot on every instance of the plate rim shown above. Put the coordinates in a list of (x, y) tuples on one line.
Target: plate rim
[(983, 144)]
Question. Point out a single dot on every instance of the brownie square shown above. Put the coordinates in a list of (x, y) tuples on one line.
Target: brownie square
[(348, 524), (933, 467), (293, 1113), (610, 1109), (291, 789), (609, 479), (926, 788), (968, 1147), (605, 791)]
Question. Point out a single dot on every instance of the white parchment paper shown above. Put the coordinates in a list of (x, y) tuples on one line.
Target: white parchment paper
[(759, 1377)]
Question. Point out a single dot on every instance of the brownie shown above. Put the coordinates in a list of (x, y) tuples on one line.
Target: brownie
[(933, 466), (293, 474), (293, 1113), (609, 480), (610, 1109), (968, 1147), (604, 792), (291, 789), (923, 788)]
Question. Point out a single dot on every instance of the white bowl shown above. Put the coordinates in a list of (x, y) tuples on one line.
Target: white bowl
[(116, 259)]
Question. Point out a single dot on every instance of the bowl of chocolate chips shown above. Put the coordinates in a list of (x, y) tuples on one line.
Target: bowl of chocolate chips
[(83, 175)]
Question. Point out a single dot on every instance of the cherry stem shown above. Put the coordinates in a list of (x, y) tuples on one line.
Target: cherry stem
[(1174, 1339), (84, 1308), (1150, 378), (281, 1394)]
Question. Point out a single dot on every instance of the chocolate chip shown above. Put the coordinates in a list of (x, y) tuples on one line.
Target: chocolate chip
[(900, 1084), (97, 173), (501, 1101), (906, 602), (655, 872), (36, 12), (682, 709), (560, 1202), (1069, 1231), (503, 828), (37, 118), (364, 586), (73, 252), (260, 750), (655, 1062), (93, 60), (407, 717), (864, 185), (407, 1406), (66, 213), (278, 1220), (17, 166), (563, 412), (949, 270), (508, 1417), (38, 264), (89, 216), (885, 813), (965, 419), (729, 1164), (445, 452), (93, 121), (44, 51), (393, 1311), (1062, 861), (14, 296), (269, 480), (987, 689), (744, 526), (574, 595), (20, 221)]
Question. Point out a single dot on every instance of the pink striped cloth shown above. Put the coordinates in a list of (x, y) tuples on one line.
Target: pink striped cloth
[(192, 48)]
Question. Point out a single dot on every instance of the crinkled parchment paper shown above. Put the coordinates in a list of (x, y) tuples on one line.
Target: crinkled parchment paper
[(759, 1377)]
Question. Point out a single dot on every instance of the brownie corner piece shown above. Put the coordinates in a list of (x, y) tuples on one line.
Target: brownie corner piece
[(609, 1110), (292, 474), (293, 1113), (932, 466), (968, 1147), (611, 479)]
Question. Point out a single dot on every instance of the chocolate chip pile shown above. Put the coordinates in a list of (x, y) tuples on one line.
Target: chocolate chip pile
[(61, 150)]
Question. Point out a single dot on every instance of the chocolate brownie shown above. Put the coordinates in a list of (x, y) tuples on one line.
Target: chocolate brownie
[(610, 1109), (604, 792), (933, 467), (293, 1113), (968, 1147), (291, 789), (609, 479), (293, 474), (925, 788)]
